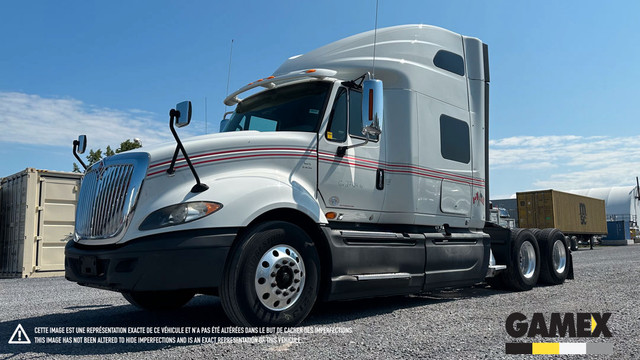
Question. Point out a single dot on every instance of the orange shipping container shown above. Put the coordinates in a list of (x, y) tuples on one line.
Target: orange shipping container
[(572, 214)]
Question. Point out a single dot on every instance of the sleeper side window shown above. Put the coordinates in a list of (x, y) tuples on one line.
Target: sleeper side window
[(454, 139)]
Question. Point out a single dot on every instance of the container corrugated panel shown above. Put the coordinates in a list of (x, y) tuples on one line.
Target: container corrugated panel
[(579, 214), (37, 211), (535, 209), (572, 214), (13, 212)]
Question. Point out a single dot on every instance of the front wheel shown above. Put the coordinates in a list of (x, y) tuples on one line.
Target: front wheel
[(272, 276)]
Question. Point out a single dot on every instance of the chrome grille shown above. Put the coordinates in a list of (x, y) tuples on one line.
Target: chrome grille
[(108, 196)]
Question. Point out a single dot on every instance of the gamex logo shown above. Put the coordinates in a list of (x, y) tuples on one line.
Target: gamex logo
[(559, 325)]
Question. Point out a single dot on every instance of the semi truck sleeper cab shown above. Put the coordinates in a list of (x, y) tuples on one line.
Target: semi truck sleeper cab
[(331, 183)]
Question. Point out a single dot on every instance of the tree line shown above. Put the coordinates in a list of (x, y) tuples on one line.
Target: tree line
[(96, 155)]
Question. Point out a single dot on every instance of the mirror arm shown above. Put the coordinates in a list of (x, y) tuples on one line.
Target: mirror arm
[(171, 169), (342, 150), (198, 187), (75, 148)]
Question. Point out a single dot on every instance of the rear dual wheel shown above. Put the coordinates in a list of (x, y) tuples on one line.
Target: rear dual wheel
[(271, 277), (555, 256), (523, 264)]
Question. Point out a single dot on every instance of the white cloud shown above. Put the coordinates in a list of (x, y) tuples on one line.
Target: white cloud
[(36, 120), (567, 162)]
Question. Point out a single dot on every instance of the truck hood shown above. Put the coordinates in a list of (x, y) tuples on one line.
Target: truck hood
[(202, 149)]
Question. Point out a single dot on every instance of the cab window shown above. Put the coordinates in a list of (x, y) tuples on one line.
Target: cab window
[(337, 130), (346, 114), (296, 107)]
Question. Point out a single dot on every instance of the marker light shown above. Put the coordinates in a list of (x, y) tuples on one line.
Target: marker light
[(179, 214)]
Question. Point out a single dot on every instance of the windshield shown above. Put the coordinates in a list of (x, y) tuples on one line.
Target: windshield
[(291, 108)]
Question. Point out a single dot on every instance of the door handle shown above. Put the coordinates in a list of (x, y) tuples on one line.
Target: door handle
[(380, 179)]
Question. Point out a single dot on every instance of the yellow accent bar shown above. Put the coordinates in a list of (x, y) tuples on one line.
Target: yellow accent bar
[(546, 348), (593, 324)]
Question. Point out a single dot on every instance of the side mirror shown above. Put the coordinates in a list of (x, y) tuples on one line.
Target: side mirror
[(225, 121), (82, 144), (223, 124), (183, 117), (372, 107), (79, 146)]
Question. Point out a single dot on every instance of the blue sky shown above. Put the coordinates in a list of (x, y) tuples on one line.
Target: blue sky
[(564, 74)]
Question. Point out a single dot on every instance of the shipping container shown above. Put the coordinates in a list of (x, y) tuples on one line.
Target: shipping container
[(37, 217), (572, 214), (617, 230)]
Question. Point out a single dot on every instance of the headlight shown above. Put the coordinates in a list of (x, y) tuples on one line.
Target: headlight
[(179, 214)]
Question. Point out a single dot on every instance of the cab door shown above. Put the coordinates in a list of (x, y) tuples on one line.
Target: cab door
[(353, 184)]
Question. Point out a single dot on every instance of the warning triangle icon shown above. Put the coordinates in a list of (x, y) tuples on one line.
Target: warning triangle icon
[(19, 336)]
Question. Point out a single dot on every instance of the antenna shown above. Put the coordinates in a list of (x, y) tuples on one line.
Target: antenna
[(206, 129), (375, 35), (228, 75), (637, 189)]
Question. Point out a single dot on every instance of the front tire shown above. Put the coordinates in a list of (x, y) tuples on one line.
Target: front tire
[(272, 276)]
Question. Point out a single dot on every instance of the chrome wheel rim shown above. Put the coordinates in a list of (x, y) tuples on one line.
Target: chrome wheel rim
[(279, 279), (559, 256), (527, 260)]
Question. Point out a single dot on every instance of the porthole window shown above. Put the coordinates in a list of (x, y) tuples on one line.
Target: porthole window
[(449, 61)]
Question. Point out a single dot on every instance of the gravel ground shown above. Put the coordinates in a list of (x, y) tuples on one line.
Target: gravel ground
[(455, 324)]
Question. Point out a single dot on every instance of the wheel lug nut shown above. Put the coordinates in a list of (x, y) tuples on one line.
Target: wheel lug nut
[(285, 293), (277, 266), (278, 292), (284, 262), (273, 274), (292, 289), (273, 285)]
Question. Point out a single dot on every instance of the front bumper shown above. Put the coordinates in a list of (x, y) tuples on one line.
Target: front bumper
[(191, 259)]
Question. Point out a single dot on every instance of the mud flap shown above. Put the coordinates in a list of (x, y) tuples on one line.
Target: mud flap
[(570, 274)]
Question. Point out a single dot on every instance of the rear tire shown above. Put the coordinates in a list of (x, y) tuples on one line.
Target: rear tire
[(271, 277), (158, 300), (523, 265), (554, 255), (574, 243)]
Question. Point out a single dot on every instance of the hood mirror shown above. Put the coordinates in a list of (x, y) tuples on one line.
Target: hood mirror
[(183, 116), (82, 144), (79, 147)]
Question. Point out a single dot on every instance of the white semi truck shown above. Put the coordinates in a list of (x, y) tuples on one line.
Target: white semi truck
[(326, 185)]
